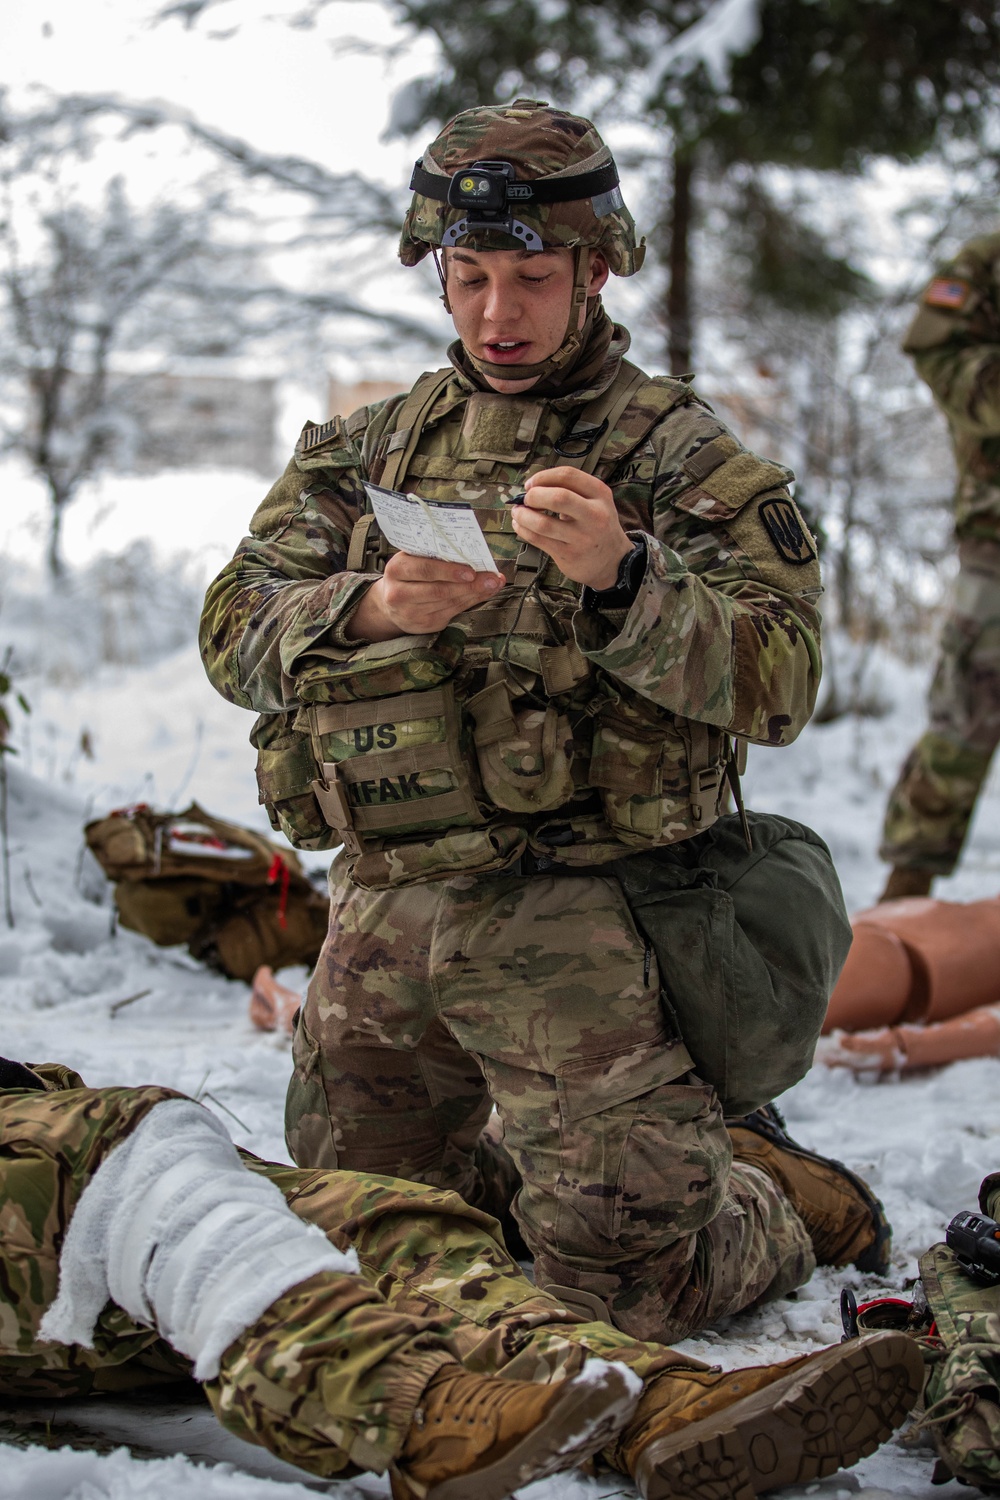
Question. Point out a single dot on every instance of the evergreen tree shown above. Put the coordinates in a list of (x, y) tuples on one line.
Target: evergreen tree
[(823, 84)]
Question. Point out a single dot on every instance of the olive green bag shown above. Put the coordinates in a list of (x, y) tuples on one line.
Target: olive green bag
[(749, 944)]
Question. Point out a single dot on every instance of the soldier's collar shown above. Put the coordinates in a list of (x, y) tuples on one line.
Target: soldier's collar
[(592, 372)]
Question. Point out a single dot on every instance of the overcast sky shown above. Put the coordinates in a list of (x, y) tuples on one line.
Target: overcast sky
[(284, 88)]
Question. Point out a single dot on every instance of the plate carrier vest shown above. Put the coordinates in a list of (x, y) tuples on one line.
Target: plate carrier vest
[(504, 737)]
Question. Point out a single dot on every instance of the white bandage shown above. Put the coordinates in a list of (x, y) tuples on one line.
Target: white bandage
[(175, 1230)]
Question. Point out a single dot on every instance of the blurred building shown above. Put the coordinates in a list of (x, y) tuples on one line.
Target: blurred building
[(195, 420)]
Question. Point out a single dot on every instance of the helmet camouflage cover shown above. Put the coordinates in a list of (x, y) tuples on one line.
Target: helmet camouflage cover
[(527, 142)]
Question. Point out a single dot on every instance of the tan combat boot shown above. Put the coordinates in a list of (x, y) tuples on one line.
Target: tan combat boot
[(905, 882), (479, 1437), (707, 1436), (842, 1216)]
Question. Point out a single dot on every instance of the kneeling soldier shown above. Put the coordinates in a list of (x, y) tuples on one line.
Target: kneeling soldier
[(491, 746)]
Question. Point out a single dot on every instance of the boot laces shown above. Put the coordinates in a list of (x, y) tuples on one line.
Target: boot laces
[(470, 1400)]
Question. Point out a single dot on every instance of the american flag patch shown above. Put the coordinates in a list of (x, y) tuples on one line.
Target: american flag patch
[(944, 292), (315, 436)]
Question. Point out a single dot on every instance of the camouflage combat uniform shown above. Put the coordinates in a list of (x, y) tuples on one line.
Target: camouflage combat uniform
[(481, 779), (955, 342), (330, 1376)]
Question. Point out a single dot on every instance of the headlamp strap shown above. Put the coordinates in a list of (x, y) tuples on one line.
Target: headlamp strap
[(538, 190)]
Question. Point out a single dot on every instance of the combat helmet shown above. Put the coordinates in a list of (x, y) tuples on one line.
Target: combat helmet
[(521, 176)]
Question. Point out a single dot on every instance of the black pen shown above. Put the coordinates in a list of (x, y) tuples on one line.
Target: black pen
[(518, 499)]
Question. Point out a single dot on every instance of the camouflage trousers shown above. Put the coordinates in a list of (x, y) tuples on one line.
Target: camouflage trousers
[(931, 806), (330, 1376), (432, 1004)]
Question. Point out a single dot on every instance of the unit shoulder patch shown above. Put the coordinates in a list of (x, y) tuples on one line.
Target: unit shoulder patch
[(784, 526), (951, 292)]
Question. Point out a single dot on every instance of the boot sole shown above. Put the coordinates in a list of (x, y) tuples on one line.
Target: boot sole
[(592, 1409), (824, 1417)]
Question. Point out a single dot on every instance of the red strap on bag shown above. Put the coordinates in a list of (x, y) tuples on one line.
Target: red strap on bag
[(279, 871)]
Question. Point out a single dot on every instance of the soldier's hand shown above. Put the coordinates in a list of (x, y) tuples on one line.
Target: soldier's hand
[(572, 517), (418, 596)]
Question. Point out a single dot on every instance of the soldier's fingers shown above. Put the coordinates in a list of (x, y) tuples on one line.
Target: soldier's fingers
[(540, 527), (404, 567), (546, 499), (411, 597), (573, 480), (428, 606), (586, 510)]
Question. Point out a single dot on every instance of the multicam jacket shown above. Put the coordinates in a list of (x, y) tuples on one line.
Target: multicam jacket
[(955, 342), (530, 722)]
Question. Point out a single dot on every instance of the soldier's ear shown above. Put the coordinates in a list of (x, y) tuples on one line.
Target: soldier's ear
[(599, 272)]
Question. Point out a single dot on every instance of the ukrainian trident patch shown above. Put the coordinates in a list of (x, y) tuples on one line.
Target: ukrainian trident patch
[(785, 528)]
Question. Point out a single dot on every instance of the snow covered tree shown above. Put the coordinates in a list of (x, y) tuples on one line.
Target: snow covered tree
[(88, 273), (733, 84), (79, 284)]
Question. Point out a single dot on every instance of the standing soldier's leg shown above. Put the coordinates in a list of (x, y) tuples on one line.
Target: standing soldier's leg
[(930, 807)]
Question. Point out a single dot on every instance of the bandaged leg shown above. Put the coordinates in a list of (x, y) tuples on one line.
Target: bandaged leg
[(330, 1374), (174, 1230)]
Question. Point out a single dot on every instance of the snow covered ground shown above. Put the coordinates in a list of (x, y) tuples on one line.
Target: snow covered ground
[(161, 734)]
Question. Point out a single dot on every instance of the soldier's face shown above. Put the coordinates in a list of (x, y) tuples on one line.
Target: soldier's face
[(511, 307)]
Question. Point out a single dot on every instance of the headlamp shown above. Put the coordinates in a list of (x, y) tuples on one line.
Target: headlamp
[(482, 190)]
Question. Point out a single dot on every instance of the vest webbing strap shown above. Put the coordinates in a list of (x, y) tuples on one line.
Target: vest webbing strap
[(608, 407), (359, 536), (497, 619), (412, 416), (530, 564), (704, 774)]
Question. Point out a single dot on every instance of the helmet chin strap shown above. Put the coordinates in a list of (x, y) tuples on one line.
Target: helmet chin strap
[(572, 341)]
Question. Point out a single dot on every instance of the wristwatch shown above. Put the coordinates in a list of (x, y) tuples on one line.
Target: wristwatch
[(623, 592)]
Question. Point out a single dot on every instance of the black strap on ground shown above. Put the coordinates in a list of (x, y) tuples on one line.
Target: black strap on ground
[(14, 1075)]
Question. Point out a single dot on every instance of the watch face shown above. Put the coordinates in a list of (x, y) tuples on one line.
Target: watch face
[(629, 570)]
